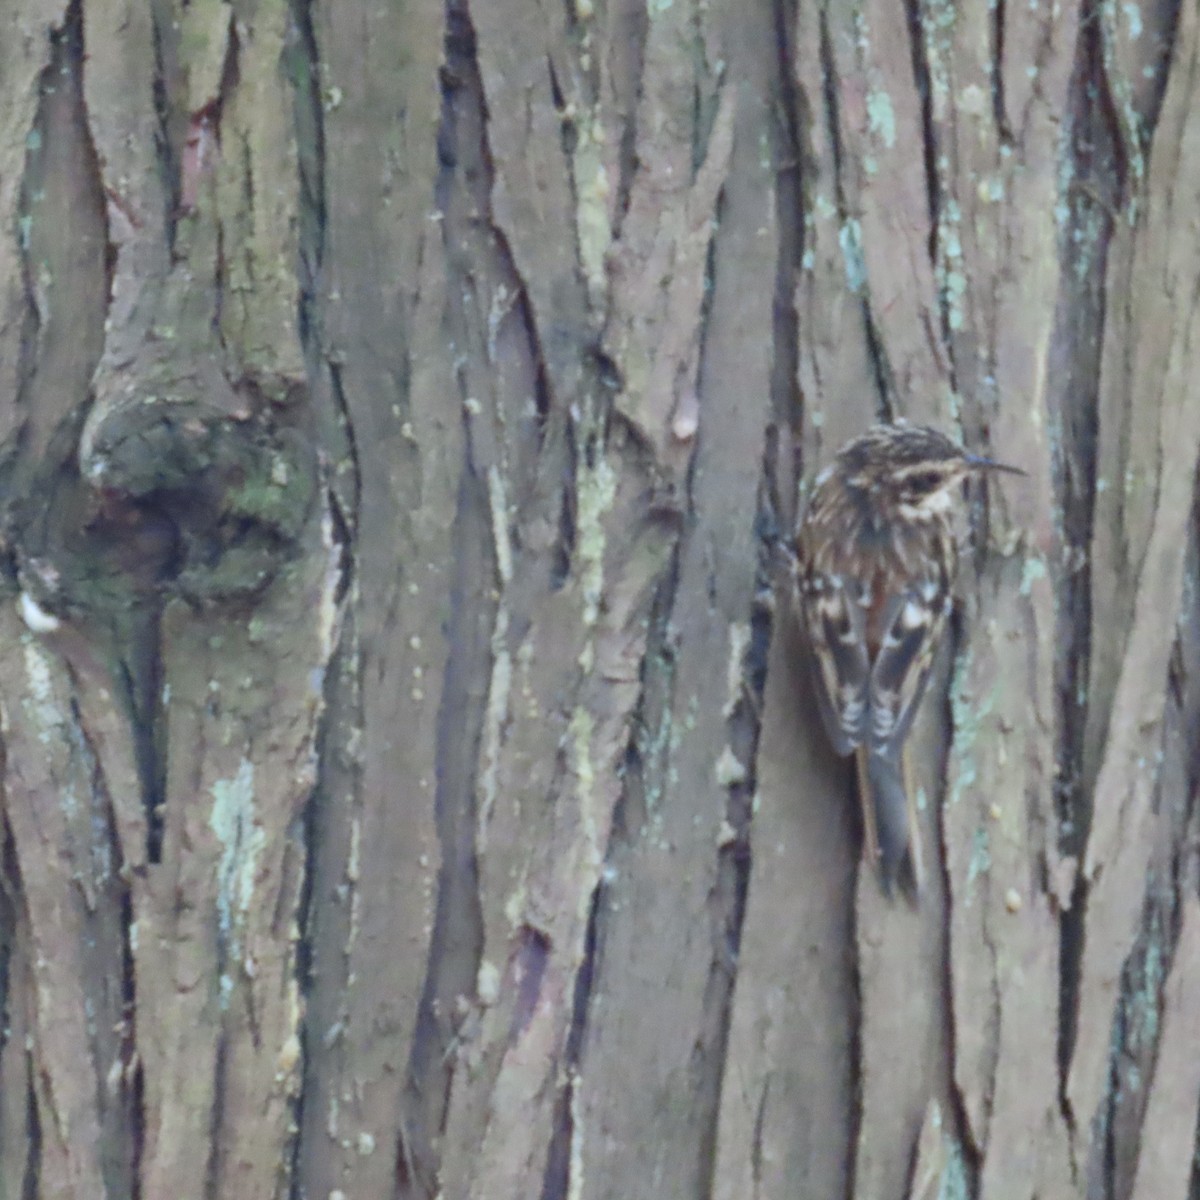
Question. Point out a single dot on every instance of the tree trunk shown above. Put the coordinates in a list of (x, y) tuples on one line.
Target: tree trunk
[(411, 782)]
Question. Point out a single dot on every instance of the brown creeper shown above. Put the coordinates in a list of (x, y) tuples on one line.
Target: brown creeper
[(876, 556)]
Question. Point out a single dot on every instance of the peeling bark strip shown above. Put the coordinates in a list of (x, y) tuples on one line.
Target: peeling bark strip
[(397, 418)]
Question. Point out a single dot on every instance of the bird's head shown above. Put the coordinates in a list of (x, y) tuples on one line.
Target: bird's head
[(913, 467)]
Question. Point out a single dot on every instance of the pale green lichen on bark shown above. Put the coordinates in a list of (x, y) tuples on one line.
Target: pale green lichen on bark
[(937, 20), (980, 861), (495, 717), (949, 269), (496, 709), (1033, 571), (657, 745), (592, 198), (575, 1176), (735, 673), (881, 115), (233, 820), (39, 700), (581, 733), (966, 715), (953, 1184), (1143, 999), (498, 511), (204, 27), (595, 490), (850, 241)]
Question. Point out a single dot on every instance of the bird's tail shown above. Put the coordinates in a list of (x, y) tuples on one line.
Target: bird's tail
[(894, 821)]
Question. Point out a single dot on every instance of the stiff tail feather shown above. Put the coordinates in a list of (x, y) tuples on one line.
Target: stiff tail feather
[(890, 821)]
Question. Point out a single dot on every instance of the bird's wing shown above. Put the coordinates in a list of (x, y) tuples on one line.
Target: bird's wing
[(912, 626), (835, 621)]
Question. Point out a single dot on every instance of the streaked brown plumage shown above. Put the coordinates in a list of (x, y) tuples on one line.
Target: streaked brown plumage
[(876, 558)]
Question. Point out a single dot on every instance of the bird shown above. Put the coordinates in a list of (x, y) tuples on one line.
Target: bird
[(875, 559)]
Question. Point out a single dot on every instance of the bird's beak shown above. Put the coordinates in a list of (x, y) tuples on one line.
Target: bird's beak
[(976, 463)]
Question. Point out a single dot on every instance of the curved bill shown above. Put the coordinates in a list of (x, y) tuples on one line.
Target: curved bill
[(987, 464)]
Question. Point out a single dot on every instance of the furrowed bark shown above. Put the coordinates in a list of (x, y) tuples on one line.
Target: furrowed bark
[(411, 781)]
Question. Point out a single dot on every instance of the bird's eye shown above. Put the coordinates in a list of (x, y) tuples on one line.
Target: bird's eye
[(925, 482)]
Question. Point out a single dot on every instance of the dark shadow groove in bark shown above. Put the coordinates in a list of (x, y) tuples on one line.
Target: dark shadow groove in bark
[(630, 38), (744, 715), (302, 66), (920, 67), (138, 674), (1093, 188), (1163, 21), (960, 1135), (21, 1136), (8, 920), (1194, 1181), (328, 742), (215, 1168), (122, 1114), (568, 134), (1133, 100), (1184, 691), (564, 549), (831, 116), (556, 1183), (1137, 1027), (999, 107), (347, 504), (15, 459), (134, 1076), (166, 142), (789, 216), (456, 945), (30, 1190), (732, 884), (1137, 1065), (646, 756), (855, 1072), (1116, 1127), (933, 178)]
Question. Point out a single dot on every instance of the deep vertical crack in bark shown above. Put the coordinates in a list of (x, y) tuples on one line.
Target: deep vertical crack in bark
[(1092, 195), (928, 134), (999, 105), (920, 25), (789, 215), (302, 65), (168, 131), (556, 1183), (629, 67)]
